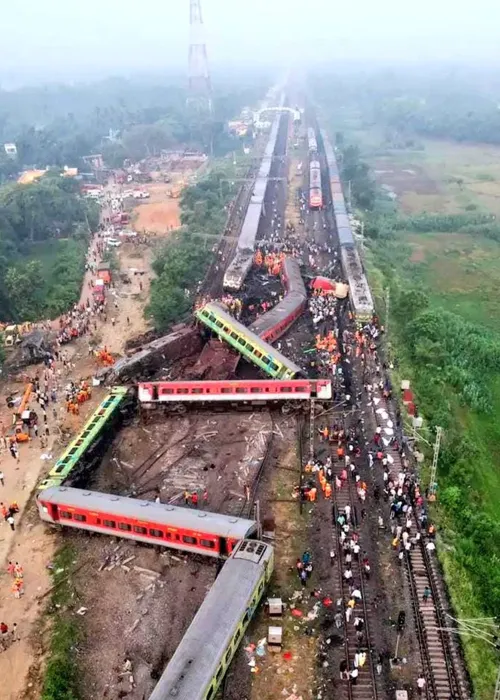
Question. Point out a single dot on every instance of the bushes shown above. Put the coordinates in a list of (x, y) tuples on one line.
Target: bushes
[(47, 285), (182, 262), (61, 678)]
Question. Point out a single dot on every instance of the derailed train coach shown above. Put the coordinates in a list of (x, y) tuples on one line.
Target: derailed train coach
[(273, 324), (196, 669), (164, 525)]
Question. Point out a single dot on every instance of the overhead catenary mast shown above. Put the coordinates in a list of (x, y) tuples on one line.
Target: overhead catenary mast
[(200, 87)]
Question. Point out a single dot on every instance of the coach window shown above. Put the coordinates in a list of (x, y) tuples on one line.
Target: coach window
[(241, 390), (249, 346), (285, 389), (219, 324), (80, 518), (65, 514), (167, 391), (234, 335), (227, 657), (298, 389), (140, 530), (219, 673), (274, 366), (189, 540), (257, 354), (255, 390), (236, 637), (226, 390), (109, 523), (124, 526), (211, 693), (197, 391), (155, 533), (207, 543), (266, 360), (241, 341), (182, 391)]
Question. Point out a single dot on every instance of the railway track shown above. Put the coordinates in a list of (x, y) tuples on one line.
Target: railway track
[(442, 662), (212, 283), (366, 685)]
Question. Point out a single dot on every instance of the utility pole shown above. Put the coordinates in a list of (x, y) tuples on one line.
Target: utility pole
[(387, 305), (496, 696), (200, 86), (437, 445)]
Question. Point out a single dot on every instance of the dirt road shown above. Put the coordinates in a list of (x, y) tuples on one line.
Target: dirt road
[(31, 544)]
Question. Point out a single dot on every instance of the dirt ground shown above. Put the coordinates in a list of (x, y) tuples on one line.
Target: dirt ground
[(219, 452), (32, 544), (402, 178), (133, 615), (160, 213)]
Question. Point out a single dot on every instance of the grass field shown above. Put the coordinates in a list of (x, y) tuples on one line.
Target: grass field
[(460, 272)]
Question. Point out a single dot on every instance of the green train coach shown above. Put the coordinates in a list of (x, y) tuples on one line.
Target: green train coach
[(82, 448), (253, 348)]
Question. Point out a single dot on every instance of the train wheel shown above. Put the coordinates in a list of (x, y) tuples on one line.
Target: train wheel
[(179, 408)]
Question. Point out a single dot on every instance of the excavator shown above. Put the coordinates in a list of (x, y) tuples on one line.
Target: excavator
[(22, 417)]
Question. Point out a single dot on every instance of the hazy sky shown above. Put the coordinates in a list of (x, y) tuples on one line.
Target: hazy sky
[(65, 38)]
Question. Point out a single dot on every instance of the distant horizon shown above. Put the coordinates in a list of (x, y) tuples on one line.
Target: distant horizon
[(11, 81)]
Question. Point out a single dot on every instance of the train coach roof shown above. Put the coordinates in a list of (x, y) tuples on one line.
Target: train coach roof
[(159, 513), (195, 660), (231, 321)]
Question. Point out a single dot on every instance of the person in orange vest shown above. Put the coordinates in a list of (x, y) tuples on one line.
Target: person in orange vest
[(324, 432), (322, 482), (340, 452), (327, 490), (312, 494)]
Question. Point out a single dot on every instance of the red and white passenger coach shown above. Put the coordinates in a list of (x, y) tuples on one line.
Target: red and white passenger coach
[(189, 530), (242, 391)]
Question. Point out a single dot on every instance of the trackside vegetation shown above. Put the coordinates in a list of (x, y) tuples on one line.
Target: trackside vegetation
[(183, 260), (44, 228), (60, 680), (454, 364)]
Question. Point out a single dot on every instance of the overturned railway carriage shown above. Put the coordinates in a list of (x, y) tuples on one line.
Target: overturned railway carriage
[(239, 391), (195, 531), (315, 191), (252, 347), (201, 660), (274, 323), (84, 451)]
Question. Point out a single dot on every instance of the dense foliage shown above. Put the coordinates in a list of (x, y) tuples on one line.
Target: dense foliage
[(31, 217), (355, 175), (445, 102), (57, 125), (454, 365), (183, 261)]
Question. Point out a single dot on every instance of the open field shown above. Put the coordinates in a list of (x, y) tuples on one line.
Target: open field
[(443, 177), (460, 273), (160, 213)]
